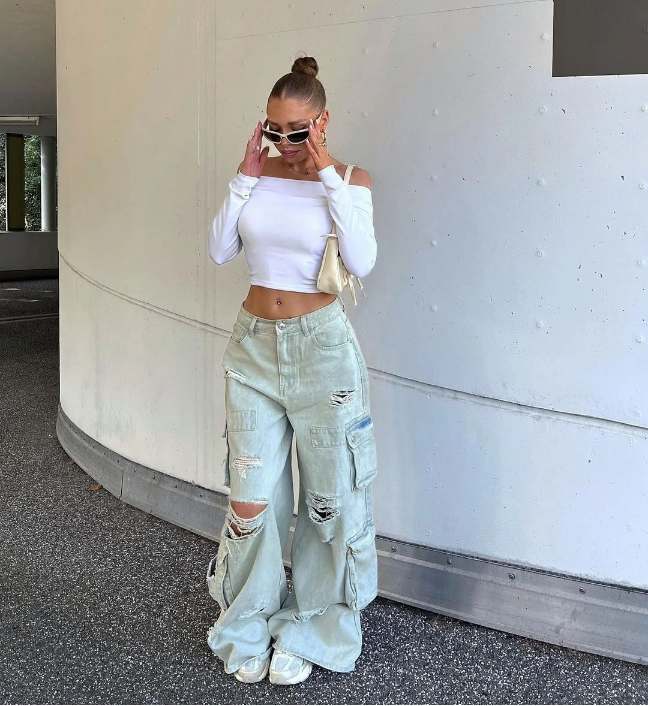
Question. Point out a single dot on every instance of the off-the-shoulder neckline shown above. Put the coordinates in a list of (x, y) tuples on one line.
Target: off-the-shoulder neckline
[(310, 181)]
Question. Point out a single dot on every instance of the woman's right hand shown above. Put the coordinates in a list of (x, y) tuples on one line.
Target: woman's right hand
[(255, 157)]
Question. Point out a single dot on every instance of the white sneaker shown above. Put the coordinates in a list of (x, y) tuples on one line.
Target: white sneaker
[(253, 669), (286, 668)]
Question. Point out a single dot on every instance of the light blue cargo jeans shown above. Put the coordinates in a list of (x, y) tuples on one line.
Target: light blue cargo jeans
[(305, 374)]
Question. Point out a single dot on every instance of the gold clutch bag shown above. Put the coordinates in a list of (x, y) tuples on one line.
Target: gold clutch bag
[(333, 276)]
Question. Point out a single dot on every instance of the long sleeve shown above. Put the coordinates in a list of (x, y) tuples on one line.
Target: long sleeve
[(352, 210), (224, 239)]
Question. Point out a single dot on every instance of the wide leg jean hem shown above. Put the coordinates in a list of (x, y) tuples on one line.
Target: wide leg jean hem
[(228, 669), (314, 658)]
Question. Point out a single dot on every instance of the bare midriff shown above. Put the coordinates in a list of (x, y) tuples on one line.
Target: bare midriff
[(282, 304)]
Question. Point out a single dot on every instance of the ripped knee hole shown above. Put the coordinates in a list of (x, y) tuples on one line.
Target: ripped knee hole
[(245, 525), (322, 508)]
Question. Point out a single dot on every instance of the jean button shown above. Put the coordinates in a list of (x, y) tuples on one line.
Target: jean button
[(281, 325)]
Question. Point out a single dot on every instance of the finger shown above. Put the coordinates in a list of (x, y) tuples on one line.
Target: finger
[(314, 147), (252, 143), (315, 137)]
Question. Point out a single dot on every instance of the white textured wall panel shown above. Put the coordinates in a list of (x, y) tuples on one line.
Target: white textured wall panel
[(505, 325)]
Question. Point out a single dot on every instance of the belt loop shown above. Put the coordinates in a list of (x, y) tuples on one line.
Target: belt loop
[(304, 324), (251, 324), (342, 303)]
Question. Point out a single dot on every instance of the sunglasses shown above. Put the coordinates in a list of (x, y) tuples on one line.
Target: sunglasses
[(295, 137)]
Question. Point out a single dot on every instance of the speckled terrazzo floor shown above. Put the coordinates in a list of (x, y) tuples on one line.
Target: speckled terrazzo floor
[(102, 603)]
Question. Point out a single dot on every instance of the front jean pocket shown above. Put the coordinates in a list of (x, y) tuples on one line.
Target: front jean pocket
[(361, 576), (331, 334), (239, 332), (362, 447), (218, 578)]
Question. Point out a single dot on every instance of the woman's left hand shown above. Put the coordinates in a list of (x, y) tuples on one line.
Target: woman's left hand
[(318, 152)]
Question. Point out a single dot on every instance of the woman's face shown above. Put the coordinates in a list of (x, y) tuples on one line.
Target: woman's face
[(287, 115)]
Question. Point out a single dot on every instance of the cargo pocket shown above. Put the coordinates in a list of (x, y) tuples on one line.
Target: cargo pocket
[(226, 469), (361, 577), (362, 446), (218, 578)]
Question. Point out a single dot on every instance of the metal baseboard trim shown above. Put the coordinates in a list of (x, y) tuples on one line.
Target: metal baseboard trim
[(578, 613)]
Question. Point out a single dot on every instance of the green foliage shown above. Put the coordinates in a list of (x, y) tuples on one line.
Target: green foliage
[(32, 183)]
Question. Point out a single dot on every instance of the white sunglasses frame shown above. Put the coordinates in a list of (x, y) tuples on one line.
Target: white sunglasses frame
[(285, 134)]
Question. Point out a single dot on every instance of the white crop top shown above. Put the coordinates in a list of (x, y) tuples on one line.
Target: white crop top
[(281, 224)]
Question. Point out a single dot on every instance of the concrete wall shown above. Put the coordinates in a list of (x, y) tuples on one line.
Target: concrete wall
[(21, 251), (505, 325)]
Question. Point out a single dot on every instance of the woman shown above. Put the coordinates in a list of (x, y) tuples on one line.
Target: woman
[(293, 364)]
